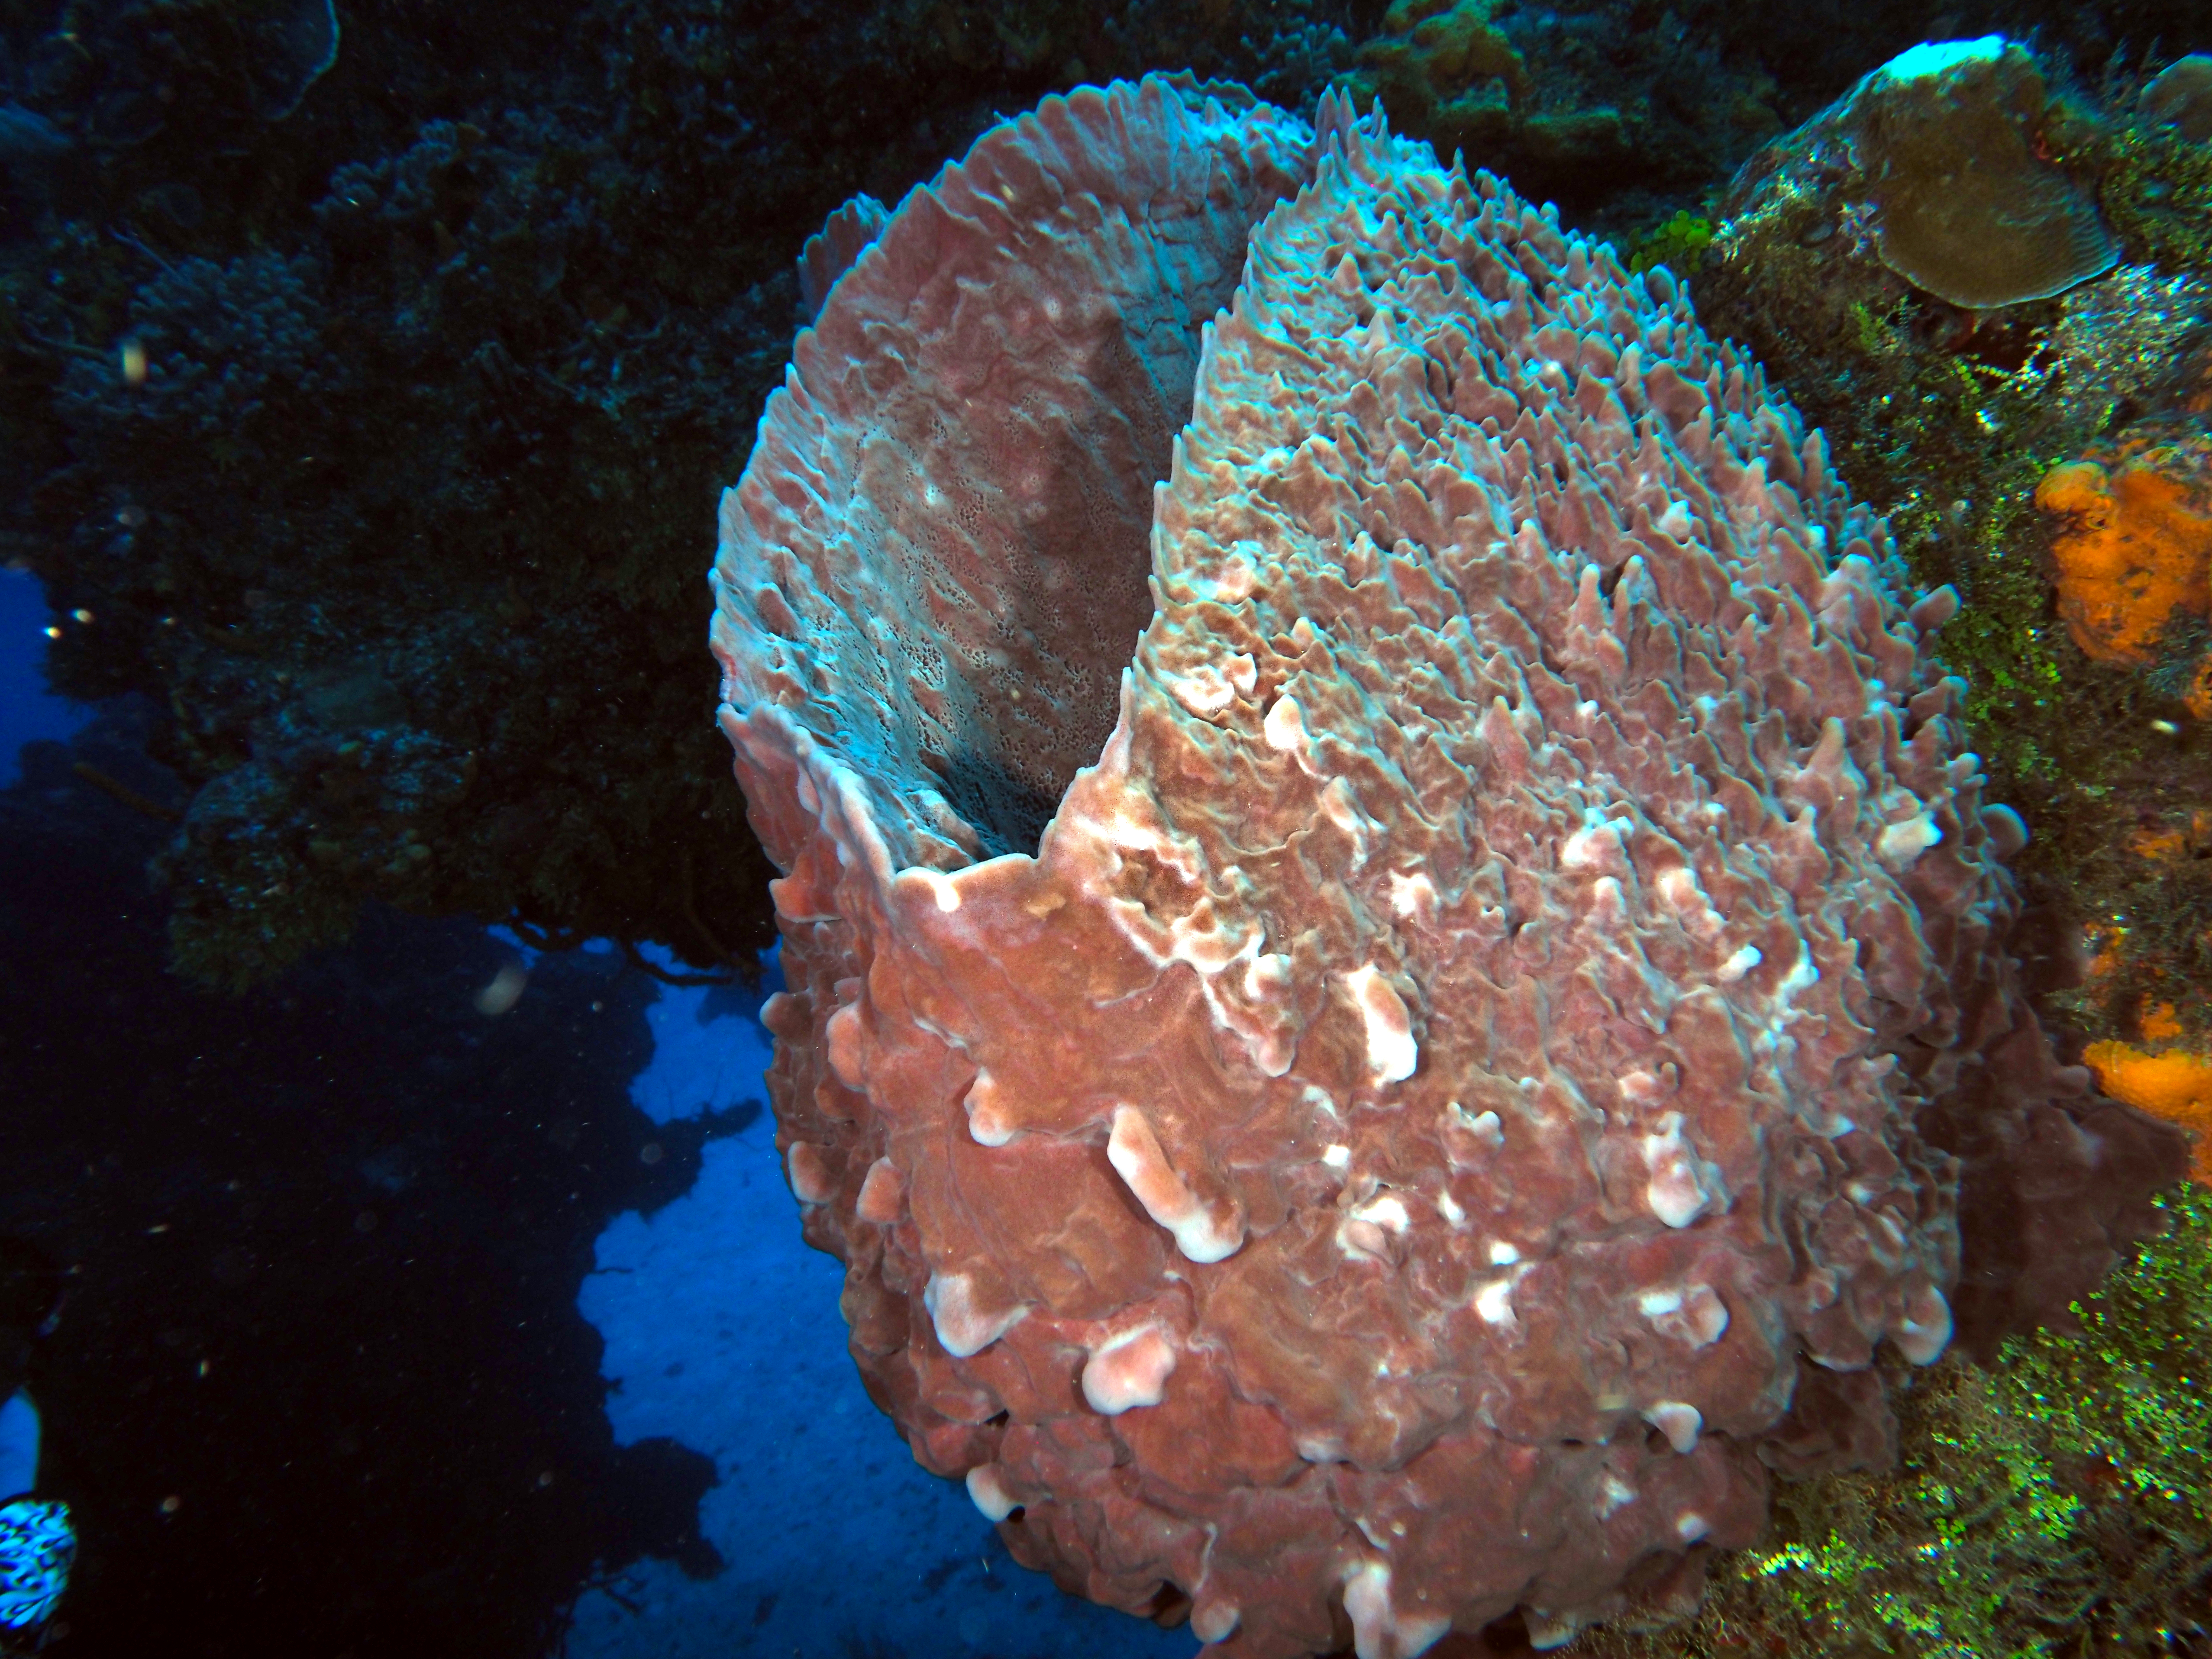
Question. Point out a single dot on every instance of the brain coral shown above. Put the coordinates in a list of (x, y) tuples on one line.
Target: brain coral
[(1376, 1076)]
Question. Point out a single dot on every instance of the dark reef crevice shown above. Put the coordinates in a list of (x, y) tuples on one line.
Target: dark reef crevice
[(318, 1374)]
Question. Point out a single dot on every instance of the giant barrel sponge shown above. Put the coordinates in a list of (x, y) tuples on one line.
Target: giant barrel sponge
[(1396, 972)]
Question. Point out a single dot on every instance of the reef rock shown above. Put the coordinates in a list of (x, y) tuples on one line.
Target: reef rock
[(2180, 96), (1935, 162), (1356, 1079)]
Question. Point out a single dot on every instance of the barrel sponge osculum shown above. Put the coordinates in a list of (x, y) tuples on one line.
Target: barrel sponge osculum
[(1392, 1072)]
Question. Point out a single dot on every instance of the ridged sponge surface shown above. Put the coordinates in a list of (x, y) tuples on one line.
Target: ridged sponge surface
[(1439, 1104)]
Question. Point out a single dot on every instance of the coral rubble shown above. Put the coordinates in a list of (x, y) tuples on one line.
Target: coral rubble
[(1411, 1109)]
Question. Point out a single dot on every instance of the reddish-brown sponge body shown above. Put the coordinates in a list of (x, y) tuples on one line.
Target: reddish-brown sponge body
[(1389, 1074)]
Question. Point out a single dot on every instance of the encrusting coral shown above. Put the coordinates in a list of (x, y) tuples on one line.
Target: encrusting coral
[(1932, 164), (1945, 137), (2180, 96), (1388, 1073)]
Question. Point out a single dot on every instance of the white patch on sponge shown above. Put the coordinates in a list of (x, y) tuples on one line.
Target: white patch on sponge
[(1214, 1621), (989, 1494), (1412, 898), (1493, 1299), (1135, 1152), (1209, 689), (1128, 1370), (1926, 1332), (1284, 728), (1613, 1492), (1899, 844), (882, 1193), (964, 1328), (987, 1123), (1682, 1185), (1678, 1421), (1694, 1314), (1381, 1629), (806, 1166), (1392, 1053)]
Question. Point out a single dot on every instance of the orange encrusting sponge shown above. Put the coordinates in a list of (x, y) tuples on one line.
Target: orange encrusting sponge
[(2134, 551), (2176, 1085)]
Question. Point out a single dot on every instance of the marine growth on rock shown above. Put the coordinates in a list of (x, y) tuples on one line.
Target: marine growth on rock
[(1935, 159), (2180, 96), (1395, 965), (2130, 543), (1947, 136)]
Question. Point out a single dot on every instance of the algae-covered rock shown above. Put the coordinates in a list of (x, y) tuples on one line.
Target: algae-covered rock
[(1573, 105), (1446, 71), (2084, 624)]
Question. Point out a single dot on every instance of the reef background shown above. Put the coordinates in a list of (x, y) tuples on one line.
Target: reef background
[(447, 347), (453, 322)]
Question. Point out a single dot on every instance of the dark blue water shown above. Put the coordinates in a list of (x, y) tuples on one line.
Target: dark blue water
[(434, 1331), (28, 710)]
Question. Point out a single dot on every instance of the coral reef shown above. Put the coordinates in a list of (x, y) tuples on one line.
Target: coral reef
[(2056, 1502), (1950, 419), (1409, 1111), (540, 346), (436, 379)]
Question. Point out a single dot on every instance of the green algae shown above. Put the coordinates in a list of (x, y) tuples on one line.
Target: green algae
[(1679, 244), (2057, 1503)]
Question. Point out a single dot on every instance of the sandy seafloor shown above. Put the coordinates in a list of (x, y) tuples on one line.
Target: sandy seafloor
[(722, 1332)]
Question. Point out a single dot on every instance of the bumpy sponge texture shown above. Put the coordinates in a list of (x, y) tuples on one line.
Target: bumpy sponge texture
[(1445, 1103), (936, 557)]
